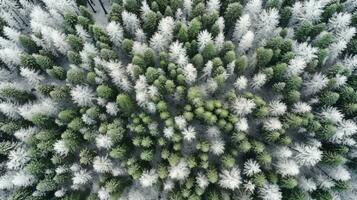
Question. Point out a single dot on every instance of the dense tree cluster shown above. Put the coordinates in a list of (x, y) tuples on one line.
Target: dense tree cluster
[(178, 99)]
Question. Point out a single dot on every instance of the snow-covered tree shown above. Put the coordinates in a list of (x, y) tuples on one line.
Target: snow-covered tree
[(115, 31), (102, 164), (148, 178), (270, 191), (180, 99), (179, 171), (251, 167), (82, 95), (307, 155), (130, 21), (189, 133), (243, 106), (230, 179)]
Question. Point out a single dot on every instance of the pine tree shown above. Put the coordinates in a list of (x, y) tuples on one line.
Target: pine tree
[(177, 99)]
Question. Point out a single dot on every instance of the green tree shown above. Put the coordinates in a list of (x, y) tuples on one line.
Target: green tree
[(115, 13), (233, 12), (28, 43), (194, 28), (125, 103), (104, 91), (44, 62), (150, 22), (75, 42), (263, 56)]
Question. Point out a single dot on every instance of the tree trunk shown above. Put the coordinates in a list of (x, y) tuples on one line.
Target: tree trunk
[(91, 6), (101, 4)]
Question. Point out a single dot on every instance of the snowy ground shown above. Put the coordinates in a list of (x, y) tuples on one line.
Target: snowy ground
[(99, 15)]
